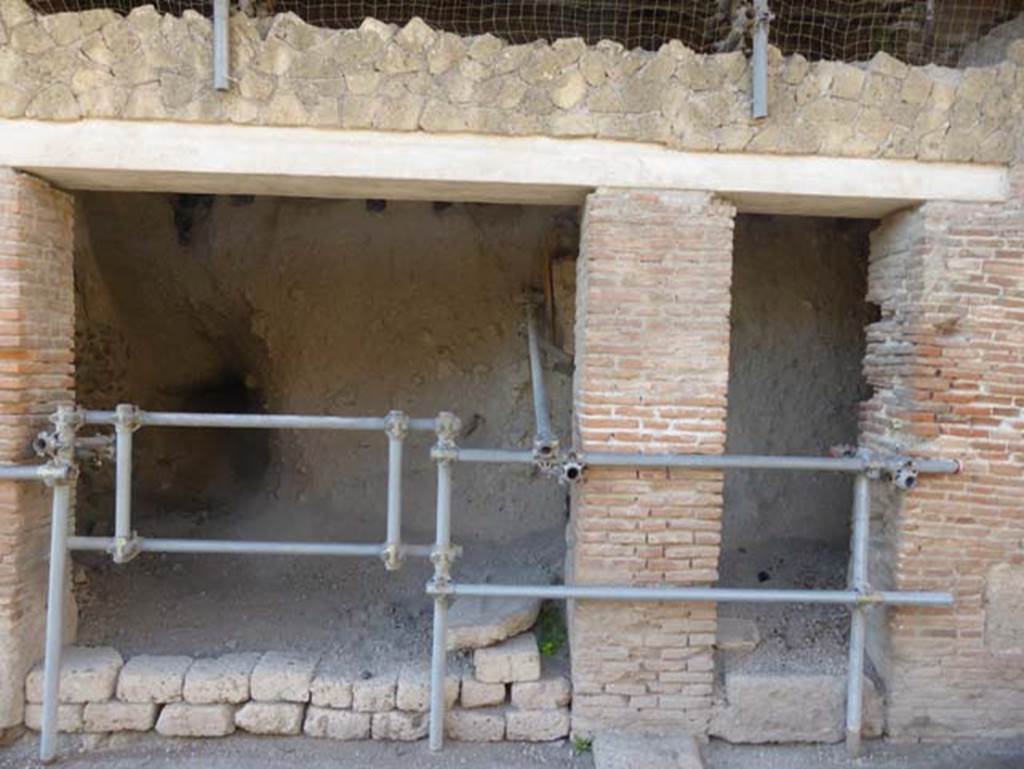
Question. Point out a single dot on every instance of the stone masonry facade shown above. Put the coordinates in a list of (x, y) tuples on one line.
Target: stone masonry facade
[(946, 360), (148, 66), (652, 356), (37, 321)]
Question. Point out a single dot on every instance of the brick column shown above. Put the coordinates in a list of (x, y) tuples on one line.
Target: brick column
[(947, 363), (652, 356), (36, 372)]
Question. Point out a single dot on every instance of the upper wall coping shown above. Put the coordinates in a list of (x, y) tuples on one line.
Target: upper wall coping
[(149, 66)]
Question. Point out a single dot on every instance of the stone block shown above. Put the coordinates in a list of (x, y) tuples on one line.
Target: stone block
[(551, 692), (413, 692), (536, 725), (115, 716), (483, 725), (375, 694), (475, 622), (282, 676), (400, 726), (87, 674), (477, 694), (182, 719), (149, 678), (734, 634), (628, 751), (789, 707), (332, 686), (270, 717), (336, 724), (69, 717), (517, 659), (1004, 609), (222, 679)]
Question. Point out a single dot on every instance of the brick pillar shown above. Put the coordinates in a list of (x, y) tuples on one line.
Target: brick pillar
[(947, 363), (652, 356), (36, 372)]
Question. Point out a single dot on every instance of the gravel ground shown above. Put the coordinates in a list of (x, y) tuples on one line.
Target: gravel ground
[(246, 752)]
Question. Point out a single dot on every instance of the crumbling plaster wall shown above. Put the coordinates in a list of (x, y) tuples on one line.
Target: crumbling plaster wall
[(302, 306), (146, 66), (795, 381)]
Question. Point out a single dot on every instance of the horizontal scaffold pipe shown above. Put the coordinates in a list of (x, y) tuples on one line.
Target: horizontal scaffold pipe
[(696, 594), (31, 472), (495, 456), (755, 462), (241, 547), (254, 421)]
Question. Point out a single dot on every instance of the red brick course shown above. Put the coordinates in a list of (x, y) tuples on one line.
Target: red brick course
[(947, 362), (652, 347), (36, 372)]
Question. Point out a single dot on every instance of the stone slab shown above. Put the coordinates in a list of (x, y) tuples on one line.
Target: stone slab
[(536, 725), (270, 717), (87, 674), (222, 679), (480, 725), (516, 659), (614, 750), (789, 707), (282, 677), (182, 719), (152, 678), (475, 622), (116, 716), (336, 724), (400, 726)]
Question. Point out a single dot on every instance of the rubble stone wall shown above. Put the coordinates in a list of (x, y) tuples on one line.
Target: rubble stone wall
[(148, 66)]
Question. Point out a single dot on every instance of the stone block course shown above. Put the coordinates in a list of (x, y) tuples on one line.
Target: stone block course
[(87, 674), (69, 717), (270, 717), (375, 694), (551, 692), (182, 719), (516, 659), (332, 687), (282, 676), (479, 725), (222, 679), (413, 690), (151, 678), (477, 694), (400, 726), (115, 716), (336, 724), (536, 725)]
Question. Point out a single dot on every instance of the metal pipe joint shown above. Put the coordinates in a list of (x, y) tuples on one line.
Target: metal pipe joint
[(447, 428)]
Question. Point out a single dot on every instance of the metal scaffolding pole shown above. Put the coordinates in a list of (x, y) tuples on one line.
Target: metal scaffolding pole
[(243, 547), (398, 426), (252, 421), (859, 539), (221, 44), (545, 443)]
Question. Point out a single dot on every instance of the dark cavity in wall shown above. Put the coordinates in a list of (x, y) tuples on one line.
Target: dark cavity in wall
[(795, 383)]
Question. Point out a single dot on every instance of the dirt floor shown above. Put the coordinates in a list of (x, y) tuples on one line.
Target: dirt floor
[(244, 752)]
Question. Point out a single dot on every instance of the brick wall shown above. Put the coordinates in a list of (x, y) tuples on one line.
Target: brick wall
[(36, 372), (652, 346), (947, 362)]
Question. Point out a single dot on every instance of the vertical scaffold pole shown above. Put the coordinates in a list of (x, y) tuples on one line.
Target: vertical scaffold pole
[(221, 53), (759, 59), (858, 618), (397, 427), (444, 453)]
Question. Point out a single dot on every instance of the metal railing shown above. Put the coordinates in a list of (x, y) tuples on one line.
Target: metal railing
[(63, 448)]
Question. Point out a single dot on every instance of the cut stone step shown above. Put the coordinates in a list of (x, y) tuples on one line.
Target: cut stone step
[(475, 622), (790, 707), (615, 750)]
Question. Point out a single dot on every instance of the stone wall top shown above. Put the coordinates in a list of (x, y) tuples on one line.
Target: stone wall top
[(148, 66)]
